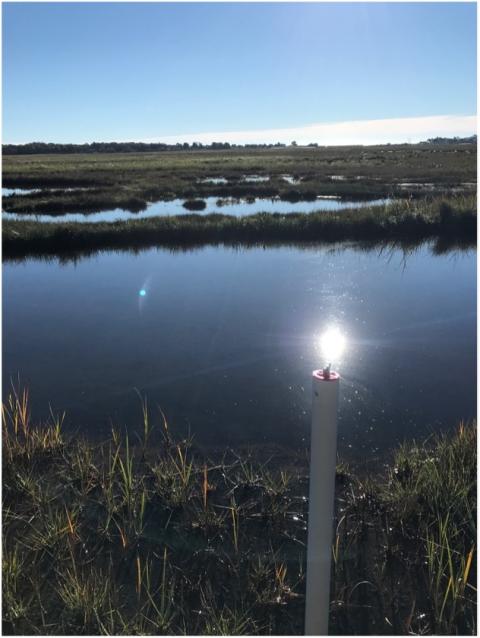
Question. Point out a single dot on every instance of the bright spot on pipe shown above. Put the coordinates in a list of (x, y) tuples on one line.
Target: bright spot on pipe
[(142, 292), (332, 344)]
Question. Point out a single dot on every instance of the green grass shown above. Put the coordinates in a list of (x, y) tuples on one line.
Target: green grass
[(130, 180), (452, 219), (142, 539), (405, 548), (119, 538)]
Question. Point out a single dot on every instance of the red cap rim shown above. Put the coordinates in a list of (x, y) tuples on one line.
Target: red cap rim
[(319, 374)]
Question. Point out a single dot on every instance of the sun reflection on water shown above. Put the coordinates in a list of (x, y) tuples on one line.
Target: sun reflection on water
[(332, 345)]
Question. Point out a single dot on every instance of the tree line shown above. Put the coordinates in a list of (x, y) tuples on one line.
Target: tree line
[(453, 140), (33, 148), (122, 147)]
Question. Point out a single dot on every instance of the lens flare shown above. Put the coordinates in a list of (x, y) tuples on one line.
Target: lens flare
[(332, 344), (142, 292)]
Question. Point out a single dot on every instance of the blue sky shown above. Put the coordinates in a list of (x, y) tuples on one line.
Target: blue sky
[(77, 72)]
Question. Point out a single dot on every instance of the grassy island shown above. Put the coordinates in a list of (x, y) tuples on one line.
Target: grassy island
[(124, 538), (451, 218)]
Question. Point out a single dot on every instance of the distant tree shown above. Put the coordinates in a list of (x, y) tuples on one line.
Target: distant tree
[(293, 143), (453, 140)]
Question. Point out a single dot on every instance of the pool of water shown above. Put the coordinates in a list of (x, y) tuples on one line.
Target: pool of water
[(213, 180), (239, 208), (256, 178), (6, 192), (224, 340), (18, 191), (290, 179)]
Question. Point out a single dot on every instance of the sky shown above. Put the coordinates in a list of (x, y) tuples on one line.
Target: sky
[(263, 72)]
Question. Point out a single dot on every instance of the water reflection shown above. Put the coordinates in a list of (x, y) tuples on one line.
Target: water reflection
[(332, 346), (214, 205), (223, 340), (6, 192), (451, 248)]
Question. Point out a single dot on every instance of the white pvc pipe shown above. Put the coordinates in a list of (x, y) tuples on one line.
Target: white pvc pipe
[(323, 457)]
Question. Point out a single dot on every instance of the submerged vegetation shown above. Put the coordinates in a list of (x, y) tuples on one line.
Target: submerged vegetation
[(138, 537), (451, 219)]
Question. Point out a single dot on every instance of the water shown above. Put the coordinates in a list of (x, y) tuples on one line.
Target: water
[(225, 340), (255, 178), (223, 180), (213, 180), (290, 179), (239, 208), (247, 178), (26, 191), (18, 191)]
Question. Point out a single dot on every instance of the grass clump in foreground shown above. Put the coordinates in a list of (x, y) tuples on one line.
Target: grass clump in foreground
[(123, 539), (405, 549)]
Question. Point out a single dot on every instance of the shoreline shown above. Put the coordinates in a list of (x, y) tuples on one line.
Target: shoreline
[(449, 219), (122, 538)]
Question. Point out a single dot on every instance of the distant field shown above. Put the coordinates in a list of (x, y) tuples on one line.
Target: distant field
[(131, 180)]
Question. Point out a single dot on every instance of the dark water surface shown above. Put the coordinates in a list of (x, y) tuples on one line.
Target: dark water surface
[(225, 340)]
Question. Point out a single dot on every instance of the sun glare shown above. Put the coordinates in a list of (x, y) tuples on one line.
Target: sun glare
[(332, 345)]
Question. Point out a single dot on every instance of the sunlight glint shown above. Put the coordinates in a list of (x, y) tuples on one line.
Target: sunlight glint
[(332, 344)]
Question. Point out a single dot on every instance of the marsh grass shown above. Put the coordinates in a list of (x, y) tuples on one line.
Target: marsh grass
[(123, 538), (147, 539), (195, 204), (446, 218), (405, 546), (60, 202), (129, 180)]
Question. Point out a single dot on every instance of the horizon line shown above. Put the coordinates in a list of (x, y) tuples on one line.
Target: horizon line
[(410, 130)]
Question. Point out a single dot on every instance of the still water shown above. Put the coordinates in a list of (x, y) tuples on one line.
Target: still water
[(6, 192), (224, 340), (236, 207)]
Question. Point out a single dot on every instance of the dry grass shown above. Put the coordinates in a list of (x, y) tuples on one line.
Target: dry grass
[(122, 539)]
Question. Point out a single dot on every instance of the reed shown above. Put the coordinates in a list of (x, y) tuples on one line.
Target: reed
[(408, 542), (115, 538), (449, 218)]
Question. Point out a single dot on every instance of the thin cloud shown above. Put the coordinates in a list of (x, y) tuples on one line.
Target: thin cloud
[(395, 131)]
